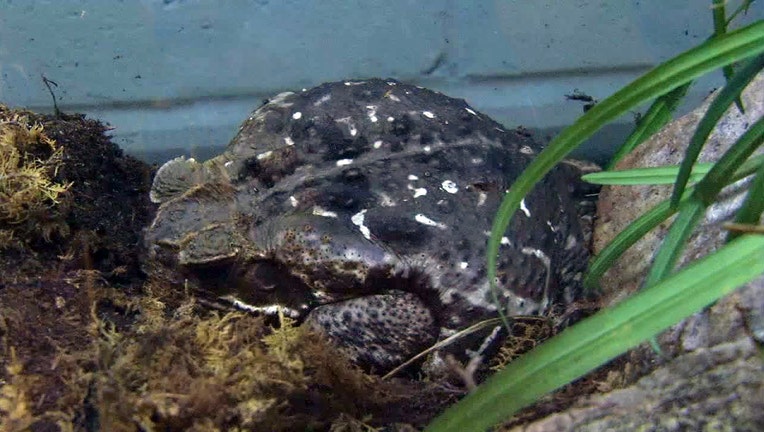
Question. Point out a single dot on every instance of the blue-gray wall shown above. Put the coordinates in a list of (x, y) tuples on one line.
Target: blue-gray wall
[(179, 75)]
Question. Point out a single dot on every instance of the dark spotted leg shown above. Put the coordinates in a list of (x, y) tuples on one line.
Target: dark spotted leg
[(381, 331)]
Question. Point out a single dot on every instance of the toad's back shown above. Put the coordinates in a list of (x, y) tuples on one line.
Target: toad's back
[(421, 175)]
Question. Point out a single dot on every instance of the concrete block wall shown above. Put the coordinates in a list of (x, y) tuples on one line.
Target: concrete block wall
[(178, 76)]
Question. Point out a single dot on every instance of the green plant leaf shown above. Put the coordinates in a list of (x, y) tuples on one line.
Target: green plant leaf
[(741, 43), (655, 118), (751, 209), (731, 160), (645, 176), (719, 12), (715, 111), (645, 223), (624, 240), (693, 210), (691, 213), (743, 8), (603, 336)]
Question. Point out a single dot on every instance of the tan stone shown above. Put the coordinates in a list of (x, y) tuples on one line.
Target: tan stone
[(711, 377)]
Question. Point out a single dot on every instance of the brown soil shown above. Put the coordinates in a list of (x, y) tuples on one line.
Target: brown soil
[(88, 343)]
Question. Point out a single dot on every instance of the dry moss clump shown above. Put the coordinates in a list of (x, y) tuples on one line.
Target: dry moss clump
[(15, 412), (189, 369), (29, 160), (223, 372)]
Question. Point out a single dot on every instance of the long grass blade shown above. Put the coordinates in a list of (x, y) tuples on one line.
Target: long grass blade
[(751, 209), (645, 223), (690, 214), (715, 111), (659, 113), (624, 240), (693, 210), (743, 8), (646, 176), (731, 160), (610, 332), (720, 27)]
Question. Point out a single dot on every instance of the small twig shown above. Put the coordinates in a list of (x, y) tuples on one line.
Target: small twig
[(744, 228), (48, 82), (445, 342)]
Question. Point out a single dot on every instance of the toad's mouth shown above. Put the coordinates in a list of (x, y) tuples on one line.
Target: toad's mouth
[(273, 310), (267, 288), (261, 287)]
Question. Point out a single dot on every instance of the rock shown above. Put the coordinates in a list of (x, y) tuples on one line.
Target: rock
[(711, 378)]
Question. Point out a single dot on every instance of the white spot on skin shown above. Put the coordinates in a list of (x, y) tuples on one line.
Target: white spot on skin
[(482, 196), (394, 97), (227, 164), (324, 98), (470, 111), (570, 242), (424, 220), (524, 208), (463, 265), (297, 115), (372, 113), (537, 253), (390, 119), (377, 144), (349, 122), (547, 263), (344, 162), (318, 211), (293, 201), (357, 220), (279, 99), (288, 141), (391, 83), (412, 177), (449, 186), (354, 83), (504, 240), (418, 191), (551, 227), (264, 155), (428, 114), (427, 149), (476, 161), (526, 150), (386, 201)]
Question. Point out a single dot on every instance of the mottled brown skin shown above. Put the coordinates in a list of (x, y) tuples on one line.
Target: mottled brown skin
[(365, 207)]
